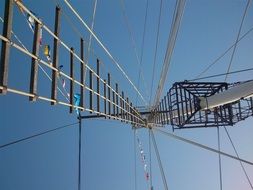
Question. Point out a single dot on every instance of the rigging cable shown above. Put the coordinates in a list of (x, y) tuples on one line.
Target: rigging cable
[(159, 161), (135, 165), (222, 74), (90, 38), (156, 47), (202, 146), (130, 31), (224, 53), (75, 29), (37, 135), (178, 14), (105, 49), (238, 35), (79, 151), (142, 46), (220, 169), (230, 139), (68, 19), (150, 159)]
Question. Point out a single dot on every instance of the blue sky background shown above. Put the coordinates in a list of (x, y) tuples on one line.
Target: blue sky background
[(50, 162)]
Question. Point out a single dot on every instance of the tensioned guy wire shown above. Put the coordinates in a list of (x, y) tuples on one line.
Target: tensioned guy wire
[(202, 146), (176, 22), (222, 74), (37, 135), (130, 31), (105, 49), (244, 171), (223, 54), (142, 46), (220, 169), (90, 37), (237, 38), (156, 48), (159, 161)]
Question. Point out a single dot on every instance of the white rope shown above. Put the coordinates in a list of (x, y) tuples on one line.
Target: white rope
[(105, 49), (179, 9)]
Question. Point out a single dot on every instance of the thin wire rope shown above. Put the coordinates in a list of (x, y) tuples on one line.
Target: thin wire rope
[(150, 160), (220, 169), (76, 30), (92, 24), (156, 48), (90, 49), (223, 54), (135, 164), (36, 135), (222, 74), (238, 35), (68, 19), (105, 49), (201, 146), (79, 151), (244, 171), (142, 46), (22, 44), (90, 37), (159, 161), (176, 22), (133, 42)]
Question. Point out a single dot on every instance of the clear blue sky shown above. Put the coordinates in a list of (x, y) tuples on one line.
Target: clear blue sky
[(50, 162)]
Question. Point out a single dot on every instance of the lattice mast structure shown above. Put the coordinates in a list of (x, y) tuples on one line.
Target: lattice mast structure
[(204, 104)]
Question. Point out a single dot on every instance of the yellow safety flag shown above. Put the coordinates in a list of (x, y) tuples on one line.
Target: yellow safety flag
[(47, 50)]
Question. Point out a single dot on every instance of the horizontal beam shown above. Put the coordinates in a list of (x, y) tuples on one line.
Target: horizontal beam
[(233, 94), (95, 116), (100, 116)]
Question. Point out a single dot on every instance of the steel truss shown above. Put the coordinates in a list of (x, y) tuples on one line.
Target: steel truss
[(181, 106)]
